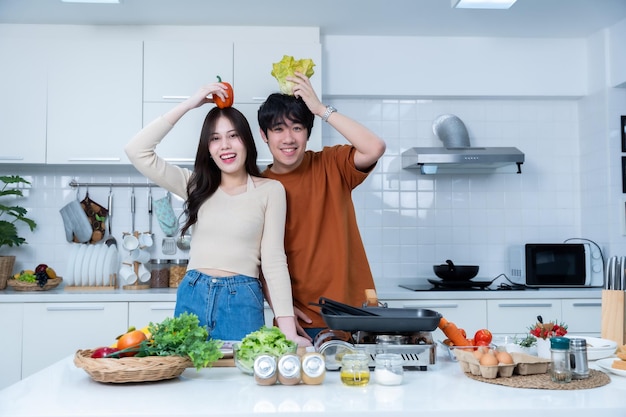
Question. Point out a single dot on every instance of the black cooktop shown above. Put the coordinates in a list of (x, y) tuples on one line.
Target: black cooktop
[(468, 285)]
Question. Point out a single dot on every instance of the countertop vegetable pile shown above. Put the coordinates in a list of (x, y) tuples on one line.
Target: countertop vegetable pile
[(266, 340), (177, 336)]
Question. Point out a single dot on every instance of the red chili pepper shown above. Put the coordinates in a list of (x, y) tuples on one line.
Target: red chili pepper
[(228, 101)]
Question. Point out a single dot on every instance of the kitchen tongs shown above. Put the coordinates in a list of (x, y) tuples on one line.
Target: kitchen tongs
[(337, 308)]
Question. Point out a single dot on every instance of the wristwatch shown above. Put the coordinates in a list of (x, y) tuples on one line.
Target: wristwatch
[(329, 110)]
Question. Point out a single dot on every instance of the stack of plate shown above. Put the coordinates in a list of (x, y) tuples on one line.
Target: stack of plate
[(598, 348), (91, 265)]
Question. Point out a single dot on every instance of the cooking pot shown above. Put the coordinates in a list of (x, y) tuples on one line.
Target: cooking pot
[(452, 272)]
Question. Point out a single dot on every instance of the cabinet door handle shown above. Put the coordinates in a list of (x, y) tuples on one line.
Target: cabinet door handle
[(590, 304), (11, 158), (94, 159), (261, 99), (525, 305), (181, 98), (431, 306), (75, 308), (180, 160)]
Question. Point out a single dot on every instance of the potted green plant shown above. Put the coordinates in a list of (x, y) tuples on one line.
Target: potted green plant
[(9, 216)]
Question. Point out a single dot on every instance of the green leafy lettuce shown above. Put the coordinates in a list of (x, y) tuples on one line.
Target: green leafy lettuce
[(266, 340), (287, 68), (182, 336)]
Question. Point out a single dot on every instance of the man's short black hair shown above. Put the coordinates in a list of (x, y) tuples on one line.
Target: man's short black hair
[(280, 107)]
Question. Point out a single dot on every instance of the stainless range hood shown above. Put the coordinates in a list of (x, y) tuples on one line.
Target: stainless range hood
[(457, 156)]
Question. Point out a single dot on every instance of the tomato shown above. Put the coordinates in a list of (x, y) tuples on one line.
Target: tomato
[(483, 337), (103, 352), (130, 340), (228, 101)]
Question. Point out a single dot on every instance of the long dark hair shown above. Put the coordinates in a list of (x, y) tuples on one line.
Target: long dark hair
[(279, 107), (206, 175)]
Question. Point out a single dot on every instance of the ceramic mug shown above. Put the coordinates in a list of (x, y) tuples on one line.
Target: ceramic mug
[(130, 242), (145, 240), (144, 273), (140, 255), (127, 273)]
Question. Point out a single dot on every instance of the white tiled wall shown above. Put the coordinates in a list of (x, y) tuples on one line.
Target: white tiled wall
[(408, 222)]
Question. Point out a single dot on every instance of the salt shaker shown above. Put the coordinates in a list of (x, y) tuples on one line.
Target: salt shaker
[(578, 358), (560, 370)]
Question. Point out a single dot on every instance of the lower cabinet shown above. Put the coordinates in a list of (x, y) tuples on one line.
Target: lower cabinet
[(582, 316), (52, 331), (516, 315), (140, 314), (11, 327)]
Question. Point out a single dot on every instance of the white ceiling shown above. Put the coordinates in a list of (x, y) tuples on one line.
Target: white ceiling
[(527, 18)]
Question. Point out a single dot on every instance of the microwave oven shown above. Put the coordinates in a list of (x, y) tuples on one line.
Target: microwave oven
[(550, 265)]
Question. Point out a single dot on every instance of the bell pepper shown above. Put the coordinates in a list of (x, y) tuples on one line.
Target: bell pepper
[(228, 101)]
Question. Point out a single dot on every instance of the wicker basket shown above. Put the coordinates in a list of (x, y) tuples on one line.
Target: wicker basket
[(6, 269), (119, 371), (33, 286)]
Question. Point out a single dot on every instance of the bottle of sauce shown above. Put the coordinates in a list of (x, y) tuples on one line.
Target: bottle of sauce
[(265, 372), (289, 369), (313, 368)]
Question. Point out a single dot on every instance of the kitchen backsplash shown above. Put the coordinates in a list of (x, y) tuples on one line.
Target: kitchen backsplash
[(409, 222)]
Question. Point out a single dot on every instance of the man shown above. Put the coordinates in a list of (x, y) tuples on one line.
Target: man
[(325, 253)]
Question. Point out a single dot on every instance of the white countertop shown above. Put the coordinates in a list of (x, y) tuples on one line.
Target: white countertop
[(384, 291), (443, 390)]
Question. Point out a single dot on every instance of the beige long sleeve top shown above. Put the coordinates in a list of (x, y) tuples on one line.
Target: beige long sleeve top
[(241, 233)]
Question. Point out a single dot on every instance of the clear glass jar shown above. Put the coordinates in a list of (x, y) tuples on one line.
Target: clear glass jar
[(313, 368), (289, 369), (389, 370), (560, 370), (178, 269), (355, 369), (265, 370), (159, 273)]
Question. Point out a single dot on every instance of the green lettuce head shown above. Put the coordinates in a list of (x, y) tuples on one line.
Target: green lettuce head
[(287, 68)]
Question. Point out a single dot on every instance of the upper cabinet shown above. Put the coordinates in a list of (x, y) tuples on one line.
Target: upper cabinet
[(94, 100), (22, 102), (174, 70)]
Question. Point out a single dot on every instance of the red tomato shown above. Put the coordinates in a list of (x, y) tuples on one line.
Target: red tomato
[(483, 337)]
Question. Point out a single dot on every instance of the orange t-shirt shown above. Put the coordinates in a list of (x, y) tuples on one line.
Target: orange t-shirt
[(325, 253)]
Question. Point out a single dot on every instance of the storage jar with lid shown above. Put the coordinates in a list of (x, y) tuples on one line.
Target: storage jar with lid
[(159, 273), (313, 368), (265, 370), (178, 269), (389, 369), (578, 358), (289, 369), (355, 369)]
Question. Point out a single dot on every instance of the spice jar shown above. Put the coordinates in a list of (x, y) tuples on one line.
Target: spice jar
[(389, 370), (159, 273), (560, 370), (313, 368), (178, 269), (265, 370), (289, 369), (355, 369), (578, 358)]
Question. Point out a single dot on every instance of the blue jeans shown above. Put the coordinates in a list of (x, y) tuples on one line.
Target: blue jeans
[(230, 307)]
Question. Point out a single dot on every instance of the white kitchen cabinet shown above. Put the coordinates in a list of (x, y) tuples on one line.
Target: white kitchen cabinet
[(22, 102), (52, 331), (582, 316), (174, 70), (141, 314), (94, 100), (515, 316), (470, 315), (11, 357)]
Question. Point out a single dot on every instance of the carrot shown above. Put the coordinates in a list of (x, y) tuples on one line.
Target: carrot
[(453, 333)]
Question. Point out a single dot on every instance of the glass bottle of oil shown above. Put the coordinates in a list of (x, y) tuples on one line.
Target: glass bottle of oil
[(355, 369)]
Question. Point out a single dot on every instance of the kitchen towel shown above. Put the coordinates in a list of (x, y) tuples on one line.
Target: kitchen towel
[(165, 215), (76, 223)]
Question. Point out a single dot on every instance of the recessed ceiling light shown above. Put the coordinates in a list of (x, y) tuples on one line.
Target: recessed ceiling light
[(482, 4), (92, 1)]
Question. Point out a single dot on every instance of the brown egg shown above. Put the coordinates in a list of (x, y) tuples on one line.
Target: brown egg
[(477, 354), (488, 359), (504, 358)]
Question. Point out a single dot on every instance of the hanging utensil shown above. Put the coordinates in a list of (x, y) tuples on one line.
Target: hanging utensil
[(111, 239), (132, 211)]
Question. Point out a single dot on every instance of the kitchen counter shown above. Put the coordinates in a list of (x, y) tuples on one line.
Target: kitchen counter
[(64, 390), (385, 292)]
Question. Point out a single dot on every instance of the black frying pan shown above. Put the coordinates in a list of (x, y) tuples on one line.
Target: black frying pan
[(450, 271)]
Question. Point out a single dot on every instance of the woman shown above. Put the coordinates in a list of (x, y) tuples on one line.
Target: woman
[(237, 218)]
